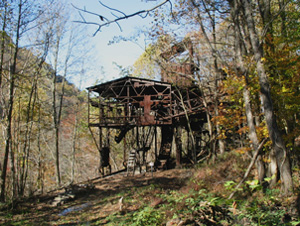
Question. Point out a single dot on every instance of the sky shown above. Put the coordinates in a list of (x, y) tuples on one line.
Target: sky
[(122, 53)]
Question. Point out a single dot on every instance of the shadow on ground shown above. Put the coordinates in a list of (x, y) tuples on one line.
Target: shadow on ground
[(91, 206)]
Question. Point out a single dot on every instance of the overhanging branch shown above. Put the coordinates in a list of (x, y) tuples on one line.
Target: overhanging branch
[(103, 21)]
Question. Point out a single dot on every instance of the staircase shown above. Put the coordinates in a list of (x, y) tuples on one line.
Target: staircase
[(132, 162)]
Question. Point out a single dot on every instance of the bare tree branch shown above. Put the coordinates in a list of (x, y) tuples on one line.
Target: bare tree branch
[(249, 167), (112, 9), (103, 21)]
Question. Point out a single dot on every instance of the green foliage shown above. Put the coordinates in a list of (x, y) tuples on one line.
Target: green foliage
[(173, 197), (264, 210), (147, 216), (230, 185), (282, 60), (194, 202), (262, 215), (190, 203), (254, 185), (146, 66)]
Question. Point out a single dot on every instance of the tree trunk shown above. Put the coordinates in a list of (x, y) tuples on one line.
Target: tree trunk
[(55, 114), (221, 142), (253, 135), (28, 130), (10, 104), (190, 131), (273, 169), (240, 50), (214, 54), (282, 155), (208, 119), (3, 36), (40, 178), (178, 141), (74, 137)]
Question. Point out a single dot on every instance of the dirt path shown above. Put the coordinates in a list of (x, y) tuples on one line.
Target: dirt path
[(91, 205)]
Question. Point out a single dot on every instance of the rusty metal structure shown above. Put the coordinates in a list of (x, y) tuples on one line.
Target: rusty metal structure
[(131, 101), (143, 105)]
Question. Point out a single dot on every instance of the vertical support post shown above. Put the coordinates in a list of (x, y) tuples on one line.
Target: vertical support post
[(100, 111), (178, 142), (137, 138), (89, 111), (100, 138), (155, 148), (108, 137), (124, 150), (100, 154), (188, 144)]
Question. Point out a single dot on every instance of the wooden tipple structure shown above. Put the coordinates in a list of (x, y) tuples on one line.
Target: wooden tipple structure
[(145, 107)]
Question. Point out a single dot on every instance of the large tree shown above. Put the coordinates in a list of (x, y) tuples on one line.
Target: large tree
[(248, 39), (282, 156), (27, 141), (22, 15)]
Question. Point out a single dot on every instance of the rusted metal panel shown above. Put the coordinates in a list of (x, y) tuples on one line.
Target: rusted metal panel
[(132, 101), (179, 74)]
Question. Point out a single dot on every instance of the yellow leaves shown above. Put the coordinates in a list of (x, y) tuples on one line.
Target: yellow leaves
[(225, 69), (284, 89), (243, 150), (266, 159), (219, 120), (243, 130), (221, 136), (262, 130), (268, 144), (233, 84)]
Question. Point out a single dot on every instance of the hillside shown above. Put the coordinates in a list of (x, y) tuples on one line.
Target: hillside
[(44, 120), (187, 196)]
